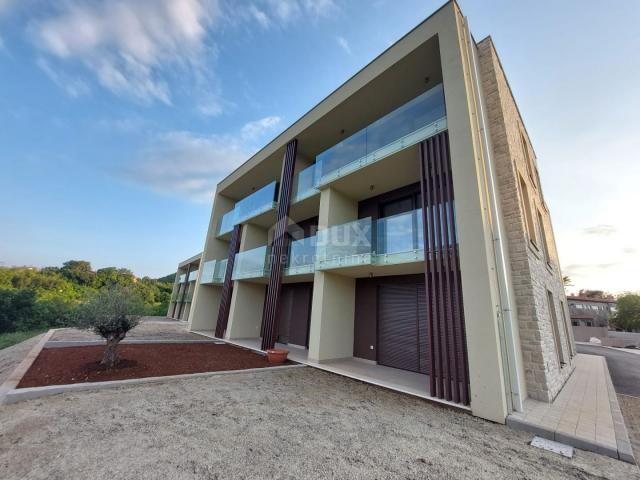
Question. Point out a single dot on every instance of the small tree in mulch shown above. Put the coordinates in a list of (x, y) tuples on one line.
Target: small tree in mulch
[(111, 313)]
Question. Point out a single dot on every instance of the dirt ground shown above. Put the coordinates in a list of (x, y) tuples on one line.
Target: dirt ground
[(149, 328), (630, 407), (60, 366), (295, 424)]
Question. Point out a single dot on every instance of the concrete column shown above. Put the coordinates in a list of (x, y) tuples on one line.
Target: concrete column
[(247, 299), (332, 314), (479, 284), (206, 298), (333, 303)]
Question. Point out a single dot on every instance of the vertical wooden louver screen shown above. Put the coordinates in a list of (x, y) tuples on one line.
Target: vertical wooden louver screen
[(271, 312), (185, 287), (227, 286), (449, 370)]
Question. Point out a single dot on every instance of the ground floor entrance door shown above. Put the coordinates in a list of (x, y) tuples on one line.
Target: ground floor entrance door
[(402, 327)]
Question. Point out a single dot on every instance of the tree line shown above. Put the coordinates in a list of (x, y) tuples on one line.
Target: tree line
[(40, 298)]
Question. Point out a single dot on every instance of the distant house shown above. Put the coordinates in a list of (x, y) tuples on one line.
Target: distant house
[(590, 312)]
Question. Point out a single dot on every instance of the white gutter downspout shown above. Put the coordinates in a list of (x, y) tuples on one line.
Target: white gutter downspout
[(498, 244)]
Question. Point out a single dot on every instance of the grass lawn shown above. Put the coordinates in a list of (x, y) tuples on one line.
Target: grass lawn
[(8, 339)]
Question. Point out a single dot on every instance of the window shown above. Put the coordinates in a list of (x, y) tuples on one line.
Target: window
[(574, 323), (527, 157), (567, 333), (543, 239), (526, 211), (555, 329)]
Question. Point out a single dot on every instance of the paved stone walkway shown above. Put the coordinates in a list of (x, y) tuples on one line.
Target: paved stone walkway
[(585, 413)]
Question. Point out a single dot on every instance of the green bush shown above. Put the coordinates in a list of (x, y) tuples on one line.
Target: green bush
[(32, 298)]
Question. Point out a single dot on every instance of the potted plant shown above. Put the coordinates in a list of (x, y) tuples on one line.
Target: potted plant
[(277, 355)]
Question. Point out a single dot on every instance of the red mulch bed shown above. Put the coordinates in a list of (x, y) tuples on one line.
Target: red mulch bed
[(61, 366)]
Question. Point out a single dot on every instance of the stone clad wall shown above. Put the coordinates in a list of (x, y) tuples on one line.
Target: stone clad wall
[(531, 275)]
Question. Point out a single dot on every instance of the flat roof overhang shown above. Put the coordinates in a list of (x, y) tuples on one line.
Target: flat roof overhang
[(405, 70)]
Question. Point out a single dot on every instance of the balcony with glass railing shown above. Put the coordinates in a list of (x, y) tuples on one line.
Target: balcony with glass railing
[(220, 271), (213, 272), (345, 245), (258, 202), (305, 184), (302, 256), (252, 264), (386, 241), (413, 122), (399, 239)]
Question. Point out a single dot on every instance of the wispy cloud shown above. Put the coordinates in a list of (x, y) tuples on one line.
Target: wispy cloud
[(255, 130), (270, 13), (74, 87), (188, 165), (320, 8), (260, 16), (344, 44), (601, 229), (128, 45)]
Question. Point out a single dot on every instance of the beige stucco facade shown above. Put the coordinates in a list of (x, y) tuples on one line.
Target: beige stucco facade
[(510, 331)]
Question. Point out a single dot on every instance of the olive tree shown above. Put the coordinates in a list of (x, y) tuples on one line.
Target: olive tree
[(110, 312)]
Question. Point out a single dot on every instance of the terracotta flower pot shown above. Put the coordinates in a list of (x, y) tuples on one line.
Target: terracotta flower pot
[(277, 355)]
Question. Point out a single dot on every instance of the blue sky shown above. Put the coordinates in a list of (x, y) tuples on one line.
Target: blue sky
[(117, 118)]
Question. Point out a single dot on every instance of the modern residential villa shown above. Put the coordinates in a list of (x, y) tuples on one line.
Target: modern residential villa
[(396, 233)]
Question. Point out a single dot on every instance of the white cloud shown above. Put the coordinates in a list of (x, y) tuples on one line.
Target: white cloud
[(344, 44), (259, 16), (283, 10), (255, 130), (74, 87), (188, 165), (320, 8), (270, 13), (127, 45)]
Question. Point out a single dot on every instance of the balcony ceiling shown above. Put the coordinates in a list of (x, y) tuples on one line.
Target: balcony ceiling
[(412, 75), (398, 170)]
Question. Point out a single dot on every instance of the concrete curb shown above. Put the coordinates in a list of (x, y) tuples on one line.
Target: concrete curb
[(21, 394), (89, 343), (12, 382), (625, 452), (623, 449), (616, 349)]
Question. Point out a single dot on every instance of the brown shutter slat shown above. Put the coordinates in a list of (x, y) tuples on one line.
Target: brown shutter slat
[(449, 370), (271, 312), (227, 286)]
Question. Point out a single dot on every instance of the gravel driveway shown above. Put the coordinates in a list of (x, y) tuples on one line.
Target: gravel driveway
[(295, 424), (149, 328)]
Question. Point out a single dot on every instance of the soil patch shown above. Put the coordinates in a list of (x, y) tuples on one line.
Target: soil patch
[(61, 366), (630, 407)]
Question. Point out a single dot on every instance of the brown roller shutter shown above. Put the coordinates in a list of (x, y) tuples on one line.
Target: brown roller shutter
[(402, 337)]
